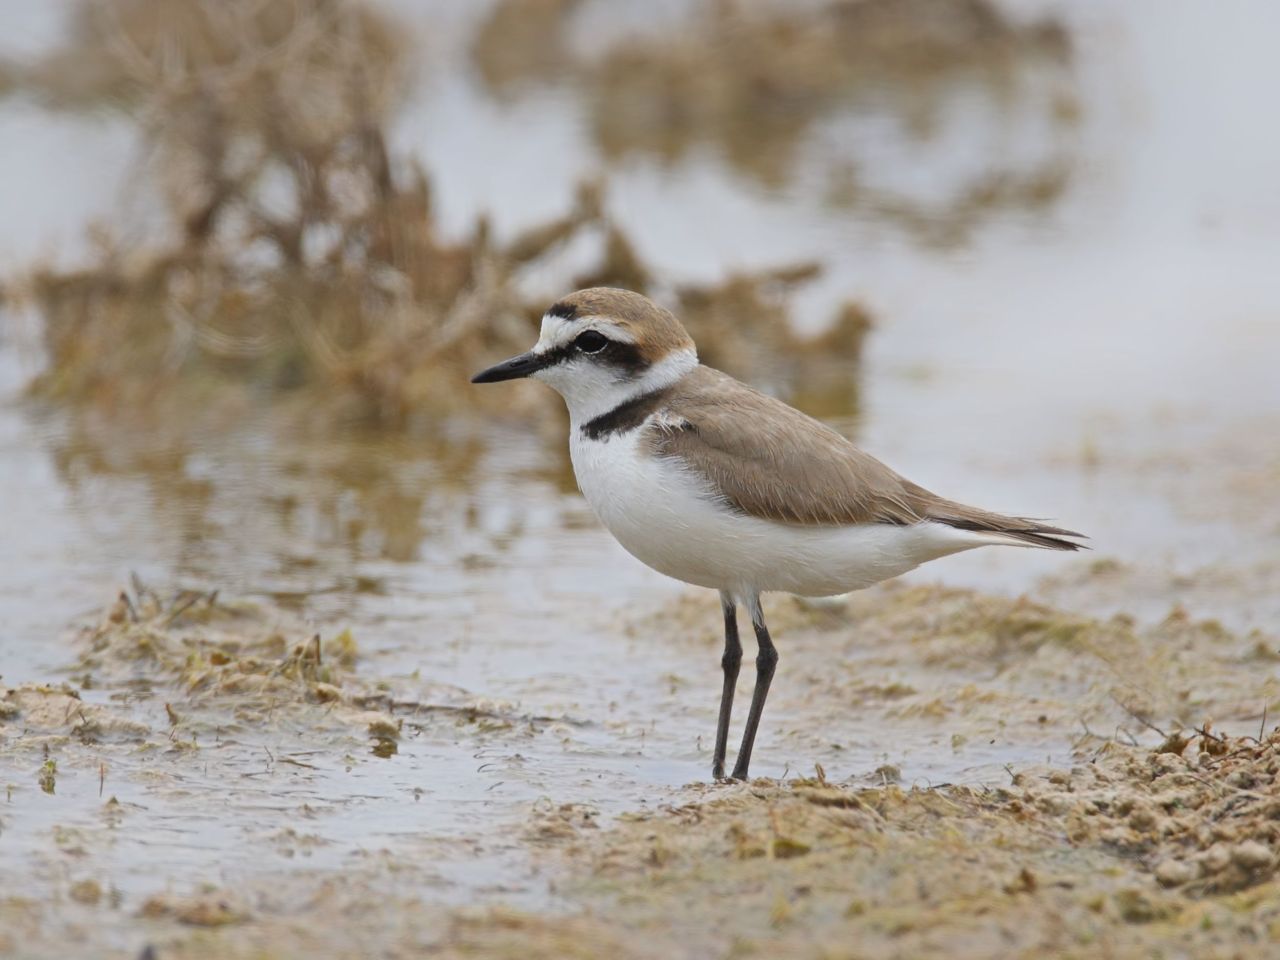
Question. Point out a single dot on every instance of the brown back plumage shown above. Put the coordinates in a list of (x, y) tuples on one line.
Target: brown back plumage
[(771, 461)]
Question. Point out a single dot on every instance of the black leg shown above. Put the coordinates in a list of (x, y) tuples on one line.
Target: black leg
[(766, 661), (730, 662)]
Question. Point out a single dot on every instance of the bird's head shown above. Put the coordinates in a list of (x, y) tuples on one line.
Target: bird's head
[(600, 347)]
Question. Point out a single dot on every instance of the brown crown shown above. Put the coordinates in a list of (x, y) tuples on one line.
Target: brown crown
[(656, 331)]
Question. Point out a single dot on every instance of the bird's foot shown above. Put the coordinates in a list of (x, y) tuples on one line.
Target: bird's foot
[(718, 775)]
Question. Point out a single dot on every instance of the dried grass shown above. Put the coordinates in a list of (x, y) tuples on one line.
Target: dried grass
[(299, 256)]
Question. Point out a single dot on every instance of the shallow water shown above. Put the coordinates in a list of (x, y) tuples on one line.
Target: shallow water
[(1108, 360)]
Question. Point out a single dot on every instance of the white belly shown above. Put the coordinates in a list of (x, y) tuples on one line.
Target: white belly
[(667, 518)]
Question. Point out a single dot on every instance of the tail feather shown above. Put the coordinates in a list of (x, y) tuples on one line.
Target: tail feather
[(1018, 529)]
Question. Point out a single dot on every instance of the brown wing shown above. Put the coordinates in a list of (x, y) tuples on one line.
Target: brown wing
[(770, 460), (788, 467)]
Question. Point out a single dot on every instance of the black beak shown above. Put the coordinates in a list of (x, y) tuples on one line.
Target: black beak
[(513, 369)]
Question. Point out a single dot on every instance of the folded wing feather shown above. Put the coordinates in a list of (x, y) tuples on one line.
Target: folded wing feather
[(788, 467)]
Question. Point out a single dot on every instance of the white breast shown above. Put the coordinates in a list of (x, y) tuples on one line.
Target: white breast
[(666, 516)]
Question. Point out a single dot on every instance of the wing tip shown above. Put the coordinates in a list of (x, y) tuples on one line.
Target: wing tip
[(1053, 541), (1021, 530)]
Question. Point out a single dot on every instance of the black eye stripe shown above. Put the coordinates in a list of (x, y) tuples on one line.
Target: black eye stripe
[(625, 357)]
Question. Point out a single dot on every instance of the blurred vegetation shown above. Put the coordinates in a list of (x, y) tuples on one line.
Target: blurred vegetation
[(752, 81), (298, 252), (297, 266)]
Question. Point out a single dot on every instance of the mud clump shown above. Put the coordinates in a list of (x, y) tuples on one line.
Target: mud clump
[(213, 660), (511, 933), (211, 648), (1064, 861), (1208, 823), (211, 909), (40, 712)]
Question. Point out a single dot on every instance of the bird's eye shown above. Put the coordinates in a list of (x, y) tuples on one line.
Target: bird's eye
[(591, 342)]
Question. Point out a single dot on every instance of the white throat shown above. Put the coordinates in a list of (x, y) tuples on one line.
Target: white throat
[(590, 389)]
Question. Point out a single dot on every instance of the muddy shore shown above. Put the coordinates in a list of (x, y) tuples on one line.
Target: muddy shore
[(1153, 825)]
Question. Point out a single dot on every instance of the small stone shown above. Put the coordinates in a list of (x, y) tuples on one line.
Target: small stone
[(1134, 906), (1055, 806), (1243, 779), (888, 773), (202, 911), (1117, 836), (86, 891), (784, 848), (1024, 882), (1174, 873), (1225, 831), (385, 728), (1251, 855), (325, 692), (1215, 859), (1175, 744), (1142, 818)]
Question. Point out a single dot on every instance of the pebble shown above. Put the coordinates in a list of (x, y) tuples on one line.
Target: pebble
[(1215, 859), (1174, 873), (1251, 855)]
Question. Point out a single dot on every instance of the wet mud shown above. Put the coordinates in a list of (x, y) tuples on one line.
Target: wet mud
[(994, 776), (1130, 852)]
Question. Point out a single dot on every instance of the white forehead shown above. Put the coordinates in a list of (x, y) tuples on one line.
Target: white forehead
[(557, 331)]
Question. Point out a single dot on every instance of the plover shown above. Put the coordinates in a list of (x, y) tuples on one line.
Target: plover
[(712, 482)]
